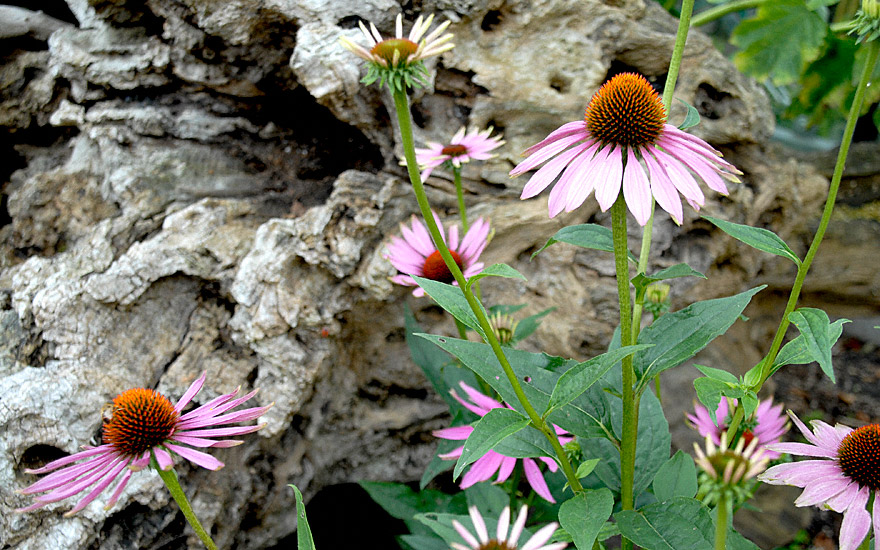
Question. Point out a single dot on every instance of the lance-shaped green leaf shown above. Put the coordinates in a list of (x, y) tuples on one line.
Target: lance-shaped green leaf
[(451, 299), (489, 430), (819, 335), (586, 467), (530, 324), (588, 235), (584, 514), (641, 281), (441, 370), (795, 352), (692, 118), (676, 478), (679, 335), (719, 383), (580, 377), (756, 237), (496, 270), (675, 524), (304, 540)]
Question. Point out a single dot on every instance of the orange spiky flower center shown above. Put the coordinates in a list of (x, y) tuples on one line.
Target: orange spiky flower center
[(497, 545), (859, 456), (386, 48), (436, 270), (626, 111), (142, 419), (454, 150)]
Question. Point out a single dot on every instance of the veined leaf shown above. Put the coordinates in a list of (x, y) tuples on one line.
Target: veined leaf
[(676, 478), (451, 299), (494, 426), (819, 335), (495, 270), (584, 514), (304, 540), (589, 235), (756, 237)]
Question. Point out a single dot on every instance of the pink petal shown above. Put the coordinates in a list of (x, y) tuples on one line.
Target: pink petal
[(578, 179), (545, 176), (856, 522), (542, 536), (536, 479), (55, 464), (119, 487), (197, 457), (479, 524), (821, 490), (636, 189), (506, 468), (840, 502), (478, 398), (482, 469), (608, 178), (191, 391), (567, 129), (455, 433), (549, 151), (518, 525), (477, 410), (163, 458), (662, 187), (465, 534), (112, 475), (802, 449)]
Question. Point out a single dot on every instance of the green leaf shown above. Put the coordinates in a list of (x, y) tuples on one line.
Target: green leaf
[(495, 270), (530, 324), (304, 540), (782, 37), (679, 335), (590, 235), (676, 524), (641, 281), (580, 377), (437, 465), (525, 444), (710, 391), (494, 426), (443, 373), (676, 478), (586, 467), (488, 498), (795, 352), (441, 524), (756, 237), (819, 335), (692, 118), (584, 514), (423, 542), (717, 374), (401, 502), (451, 299)]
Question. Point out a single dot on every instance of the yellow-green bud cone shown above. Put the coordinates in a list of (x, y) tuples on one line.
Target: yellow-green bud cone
[(871, 8)]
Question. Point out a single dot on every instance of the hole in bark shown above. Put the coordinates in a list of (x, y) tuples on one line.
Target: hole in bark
[(491, 20), (55, 8), (711, 103)]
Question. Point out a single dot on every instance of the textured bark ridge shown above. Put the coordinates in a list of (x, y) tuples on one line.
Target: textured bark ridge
[(195, 185)]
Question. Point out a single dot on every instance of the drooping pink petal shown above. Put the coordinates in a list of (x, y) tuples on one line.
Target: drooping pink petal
[(802, 449), (536, 479), (608, 179), (479, 524), (64, 461), (190, 392), (99, 488), (856, 522), (506, 468), (545, 176), (841, 501), (163, 458), (542, 536), (662, 187), (455, 433), (482, 469), (820, 490), (541, 155), (478, 398), (196, 457), (566, 130), (636, 189)]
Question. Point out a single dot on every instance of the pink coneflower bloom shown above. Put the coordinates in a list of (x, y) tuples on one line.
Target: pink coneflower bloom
[(624, 139), (144, 424), (504, 540), (490, 463), (463, 147), (415, 253), (728, 469), (844, 477), (767, 424), (401, 50)]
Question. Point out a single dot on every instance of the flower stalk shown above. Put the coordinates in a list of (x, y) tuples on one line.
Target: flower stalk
[(630, 405), (401, 104), (170, 478), (721, 524), (804, 267), (720, 11), (459, 193)]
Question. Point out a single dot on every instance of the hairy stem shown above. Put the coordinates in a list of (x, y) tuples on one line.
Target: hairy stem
[(170, 479), (718, 12), (459, 193), (721, 524), (401, 104)]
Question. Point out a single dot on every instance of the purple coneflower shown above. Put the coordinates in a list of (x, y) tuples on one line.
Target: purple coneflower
[(463, 147), (144, 424), (624, 138), (767, 425), (399, 50), (846, 475), (728, 468), (415, 253), (504, 540), (490, 463)]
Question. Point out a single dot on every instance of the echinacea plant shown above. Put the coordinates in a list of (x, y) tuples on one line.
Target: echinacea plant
[(503, 539), (145, 429)]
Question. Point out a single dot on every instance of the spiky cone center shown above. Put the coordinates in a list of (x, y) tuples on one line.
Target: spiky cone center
[(454, 150), (859, 456), (871, 8), (141, 420), (436, 270), (626, 111), (386, 49), (504, 327), (496, 545), (730, 462)]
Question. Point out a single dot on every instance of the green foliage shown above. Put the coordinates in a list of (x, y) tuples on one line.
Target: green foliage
[(451, 299), (676, 478), (584, 515), (495, 270), (818, 334), (588, 235), (494, 426), (413, 75), (779, 41), (674, 524), (692, 118), (717, 384), (304, 540), (756, 237), (642, 281)]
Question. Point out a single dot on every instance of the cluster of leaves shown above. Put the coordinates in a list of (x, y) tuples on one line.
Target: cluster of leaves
[(809, 67)]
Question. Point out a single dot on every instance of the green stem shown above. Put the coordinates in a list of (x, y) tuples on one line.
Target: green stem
[(401, 104), (170, 479), (684, 23), (718, 12), (630, 412), (459, 193), (721, 524), (855, 109)]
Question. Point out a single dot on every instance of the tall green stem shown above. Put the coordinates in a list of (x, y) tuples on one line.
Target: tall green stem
[(855, 109), (721, 524), (170, 479), (718, 12), (401, 104), (630, 411), (459, 193)]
